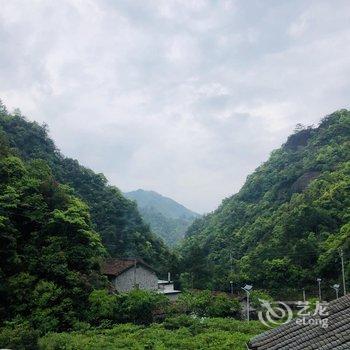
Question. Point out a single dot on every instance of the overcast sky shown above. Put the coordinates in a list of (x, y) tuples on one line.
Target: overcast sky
[(182, 97)]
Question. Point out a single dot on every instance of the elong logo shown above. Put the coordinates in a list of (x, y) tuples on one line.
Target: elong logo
[(274, 313), (278, 313)]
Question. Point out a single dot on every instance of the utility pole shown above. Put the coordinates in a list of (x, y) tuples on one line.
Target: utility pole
[(319, 280), (247, 288), (248, 305), (231, 270), (341, 253), (336, 288)]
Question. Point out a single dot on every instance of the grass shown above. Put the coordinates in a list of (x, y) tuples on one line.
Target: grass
[(177, 333)]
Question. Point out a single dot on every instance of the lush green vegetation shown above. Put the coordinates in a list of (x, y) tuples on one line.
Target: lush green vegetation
[(167, 218), (137, 306), (171, 230), (284, 227), (105, 313), (205, 304), (57, 220), (176, 333), (115, 218), (49, 251), (144, 307)]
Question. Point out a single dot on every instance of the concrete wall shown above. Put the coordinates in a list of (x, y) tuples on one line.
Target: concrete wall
[(144, 279), (172, 296), (166, 287)]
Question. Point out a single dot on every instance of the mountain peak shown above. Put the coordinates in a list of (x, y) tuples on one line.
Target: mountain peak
[(166, 217), (164, 205)]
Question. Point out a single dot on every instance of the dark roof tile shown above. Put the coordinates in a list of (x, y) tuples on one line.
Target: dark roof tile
[(300, 337), (114, 267)]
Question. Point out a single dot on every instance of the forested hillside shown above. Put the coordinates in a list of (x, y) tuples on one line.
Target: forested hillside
[(167, 218), (49, 251), (283, 229), (115, 218)]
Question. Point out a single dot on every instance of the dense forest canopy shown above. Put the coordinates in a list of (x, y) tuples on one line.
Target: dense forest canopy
[(115, 218), (284, 228), (49, 250)]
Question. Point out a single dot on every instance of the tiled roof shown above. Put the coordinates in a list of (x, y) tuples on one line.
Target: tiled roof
[(114, 267), (293, 336)]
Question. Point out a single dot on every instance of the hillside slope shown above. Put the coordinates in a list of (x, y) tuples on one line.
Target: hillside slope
[(114, 217), (166, 217), (49, 251), (283, 229)]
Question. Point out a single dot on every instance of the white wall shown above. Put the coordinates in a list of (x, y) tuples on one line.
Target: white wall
[(144, 278)]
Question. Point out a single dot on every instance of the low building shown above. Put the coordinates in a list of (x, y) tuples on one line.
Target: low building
[(166, 287), (297, 335), (128, 274)]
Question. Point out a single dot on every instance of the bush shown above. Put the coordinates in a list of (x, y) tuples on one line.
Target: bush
[(137, 306), (103, 306), (182, 332), (177, 322), (223, 306), (19, 336), (140, 306), (255, 297), (204, 303), (312, 304)]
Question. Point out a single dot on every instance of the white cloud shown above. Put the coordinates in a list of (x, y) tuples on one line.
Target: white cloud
[(182, 97)]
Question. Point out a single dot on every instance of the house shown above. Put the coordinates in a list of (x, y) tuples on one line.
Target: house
[(166, 287), (128, 274), (297, 335)]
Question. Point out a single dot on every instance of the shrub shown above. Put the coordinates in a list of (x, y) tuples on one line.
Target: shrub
[(312, 304), (191, 323), (204, 303), (223, 306), (52, 310), (177, 322), (137, 306), (255, 295), (182, 332), (19, 336), (103, 306)]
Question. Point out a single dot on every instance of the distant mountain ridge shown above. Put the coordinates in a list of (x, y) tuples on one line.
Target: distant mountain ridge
[(166, 217), (165, 205)]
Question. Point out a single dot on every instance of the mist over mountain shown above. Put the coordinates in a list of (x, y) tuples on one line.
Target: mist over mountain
[(166, 217)]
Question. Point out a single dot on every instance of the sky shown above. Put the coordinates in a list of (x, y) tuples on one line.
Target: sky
[(185, 98)]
